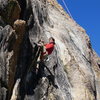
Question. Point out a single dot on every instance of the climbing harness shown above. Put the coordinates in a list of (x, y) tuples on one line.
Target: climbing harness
[(65, 4)]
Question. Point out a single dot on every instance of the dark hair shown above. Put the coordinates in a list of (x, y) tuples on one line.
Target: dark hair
[(52, 39)]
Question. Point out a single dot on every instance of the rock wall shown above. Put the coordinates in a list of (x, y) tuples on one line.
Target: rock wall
[(72, 71)]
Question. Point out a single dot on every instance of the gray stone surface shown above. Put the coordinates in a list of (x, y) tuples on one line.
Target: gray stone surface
[(4, 69), (72, 72)]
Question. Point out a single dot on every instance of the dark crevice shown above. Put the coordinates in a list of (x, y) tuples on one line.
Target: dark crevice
[(40, 17), (95, 91), (26, 10), (30, 22), (98, 65), (26, 49), (3, 83), (95, 94), (25, 58), (22, 4)]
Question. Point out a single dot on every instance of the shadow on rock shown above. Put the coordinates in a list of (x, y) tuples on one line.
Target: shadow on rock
[(31, 82)]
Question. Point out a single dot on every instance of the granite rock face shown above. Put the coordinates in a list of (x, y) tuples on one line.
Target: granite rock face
[(72, 71)]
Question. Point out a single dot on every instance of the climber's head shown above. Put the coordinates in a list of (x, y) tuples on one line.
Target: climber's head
[(52, 40)]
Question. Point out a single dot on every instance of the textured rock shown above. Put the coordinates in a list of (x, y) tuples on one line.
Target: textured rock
[(5, 34), (10, 11), (15, 92), (72, 72), (19, 27), (9, 47)]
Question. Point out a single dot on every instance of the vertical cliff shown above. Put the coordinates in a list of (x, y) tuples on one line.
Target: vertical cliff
[(72, 71)]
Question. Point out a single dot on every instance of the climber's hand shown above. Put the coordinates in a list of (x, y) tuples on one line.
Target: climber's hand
[(40, 44)]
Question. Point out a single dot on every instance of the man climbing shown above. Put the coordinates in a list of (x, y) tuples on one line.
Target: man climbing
[(41, 52), (48, 48)]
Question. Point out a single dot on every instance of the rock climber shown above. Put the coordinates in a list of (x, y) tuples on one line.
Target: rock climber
[(47, 49)]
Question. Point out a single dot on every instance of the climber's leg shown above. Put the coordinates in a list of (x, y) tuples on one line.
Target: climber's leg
[(44, 54), (39, 59)]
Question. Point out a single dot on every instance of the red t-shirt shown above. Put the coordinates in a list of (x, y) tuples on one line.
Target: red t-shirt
[(49, 47)]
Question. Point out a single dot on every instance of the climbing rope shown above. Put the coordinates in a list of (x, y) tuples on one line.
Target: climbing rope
[(65, 4)]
